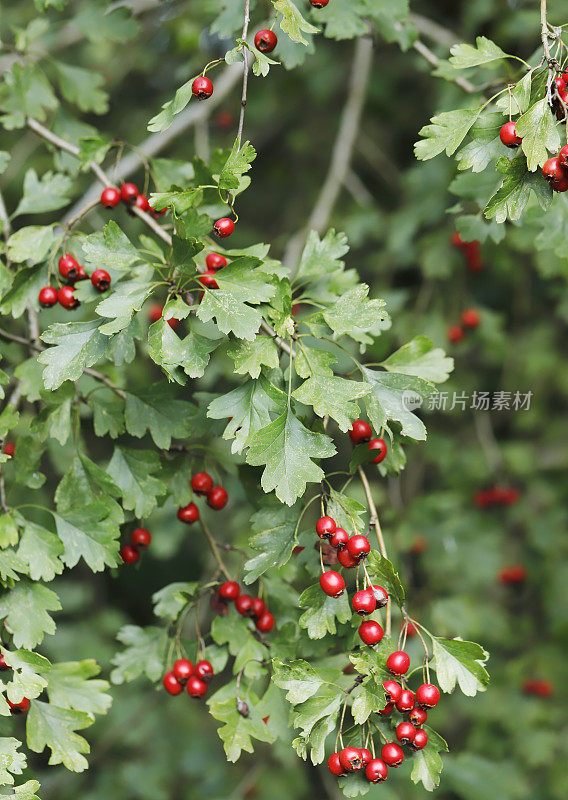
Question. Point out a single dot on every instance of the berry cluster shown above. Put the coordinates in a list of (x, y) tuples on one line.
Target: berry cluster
[(496, 496), (360, 432), (130, 196), (71, 271), (140, 539), (471, 251), (24, 704), (202, 485), (253, 607), (194, 678), (470, 319), (555, 170)]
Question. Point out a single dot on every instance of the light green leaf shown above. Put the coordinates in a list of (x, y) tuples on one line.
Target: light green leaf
[(511, 198), (356, 316), (298, 678), (28, 671), (274, 537), (249, 357), (322, 612), (25, 611), (89, 533), (332, 396), (233, 630), (369, 699), (78, 345), (73, 685), (292, 22), (82, 87), (427, 763), (49, 193), (388, 400), (237, 164), (54, 727), (322, 256), (538, 130), (109, 248), (238, 731), (485, 51), (460, 662), (126, 298), (11, 762), (179, 357), (134, 472), (446, 132), (32, 243), (419, 357), (42, 550), (346, 511), (170, 600), (382, 572), (144, 654)]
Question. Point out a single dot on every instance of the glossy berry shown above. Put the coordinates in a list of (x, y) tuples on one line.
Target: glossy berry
[(345, 558), (358, 547), (171, 684), (508, 136), (188, 514), (81, 274), (203, 670), (215, 261), (110, 197), (265, 623), (182, 670), (9, 449), (560, 185), (19, 708), (470, 318), (334, 765), (129, 554), (332, 583), (455, 334), (370, 632), (427, 695), (142, 203), (229, 590), (158, 212), (202, 88), (319, 3), (207, 279), (364, 602), (258, 607), (376, 771), (387, 709), (393, 690), (128, 192), (405, 732), (360, 431), (68, 267), (553, 169), (47, 297), (398, 662), (381, 447), (366, 757), (418, 717), (140, 537), (223, 227), (201, 483), (420, 740), (560, 82), (392, 754), (100, 280), (196, 687), (350, 759), (325, 527), (243, 604), (265, 41), (563, 156), (66, 297), (3, 665), (339, 539), (381, 596), (406, 701), (217, 498)]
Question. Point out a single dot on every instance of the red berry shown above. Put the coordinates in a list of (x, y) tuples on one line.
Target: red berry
[(217, 498), (393, 690), (405, 732), (381, 447), (265, 41), (376, 771), (560, 82), (207, 279), (332, 583), (553, 170), (203, 670), (345, 558), (202, 88), (66, 297), (229, 590), (9, 449), (417, 716), (471, 318), (188, 514), (381, 596), (142, 203), (398, 662), (350, 759), (223, 227), (201, 483), (563, 156), (243, 604), (265, 623), (392, 754), (456, 240), (171, 684), (110, 197), (258, 607), (370, 632), (513, 575), (140, 537), (366, 756), (455, 334), (420, 739), (406, 701), (68, 267), (158, 212), (47, 297), (540, 688), (339, 539), (81, 274), (155, 312), (319, 3), (19, 708), (364, 602), (100, 280), (508, 136), (427, 695), (182, 670), (387, 709), (196, 687), (3, 665), (334, 765), (128, 192), (215, 261), (129, 554), (560, 185), (411, 629), (360, 431), (325, 527), (358, 546)]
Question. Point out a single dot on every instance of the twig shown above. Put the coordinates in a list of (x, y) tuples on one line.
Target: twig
[(215, 550), (245, 73), (280, 342), (544, 30), (377, 525), (433, 59)]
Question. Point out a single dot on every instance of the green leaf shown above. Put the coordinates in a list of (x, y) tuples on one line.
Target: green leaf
[(369, 699), (144, 654), (238, 731), (446, 132), (356, 316), (299, 679), (8, 529), (322, 256), (518, 101), (85, 484), (49, 193), (388, 400), (170, 600), (27, 791), (89, 533), (485, 145), (42, 551), (108, 413), (25, 92), (511, 198), (11, 762), (238, 162), (24, 291), (10, 565), (249, 357), (158, 411), (286, 449), (538, 130), (427, 763), (134, 472), (179, 357), (25, 611), (322, 611), (460, 662), (162, 121), (54, 727), (71, 685), (382, 572), (274, 537), (332, 395), (318, 715), (127, 298), (179, 200), (28, 671), (292, 22), (419, 357), (82, 87), (79, 345), (109, 248), (484, 52), (344, 19), (346, 511), (32, 243), (233, 630)]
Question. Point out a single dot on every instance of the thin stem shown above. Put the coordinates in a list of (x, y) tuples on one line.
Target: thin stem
[(245, 73), (215, 550), (376, 524)]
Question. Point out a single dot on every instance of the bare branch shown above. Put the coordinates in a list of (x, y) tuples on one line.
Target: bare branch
[(245, 73)]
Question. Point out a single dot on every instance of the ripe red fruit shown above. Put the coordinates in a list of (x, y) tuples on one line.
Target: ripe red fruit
[(370, 632), (560, 82), (350, 759), (381, 447), (392, 754), (420, 739), (427, 695), (229, 590), (345, 558), (334, 765), (19, 708), (66, 297), (553, 170), (215, 261), (319, 3), (265, 41), (515, 574), (387, 709), (360, 431), (563, 156), (201, 483), (47, 297), (406, 701), (332, 583), (540, 688), (202, 88), (100, 280), (455, 334), (393, 690), (140, 537), (339, 539), (325, 527), (380, 595), (364, 602), (560, 185), (182, 670), (217, 498), (155, 312), (265, 623), (508, 136), (376, 771), (405, 732), (110, 197), (142, 203), (171, 684), (203, 670), (128, 192), (158, 212), (129, 554), (188, 514), (81, 274), (207, 279), (258, 607), (196, 687), (68, 267), (417, 716), (243, 604), (9, 449), (3, 665), (398, 662), (223, 227), (471, 318), (358, 546), (366, 756)]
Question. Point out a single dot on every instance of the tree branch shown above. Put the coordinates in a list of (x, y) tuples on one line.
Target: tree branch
[(377, 525), (245, 73), (215, 550)]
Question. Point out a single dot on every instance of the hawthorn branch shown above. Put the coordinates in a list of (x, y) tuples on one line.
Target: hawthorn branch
[(374, 521), (245, 73), (215, 550)]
